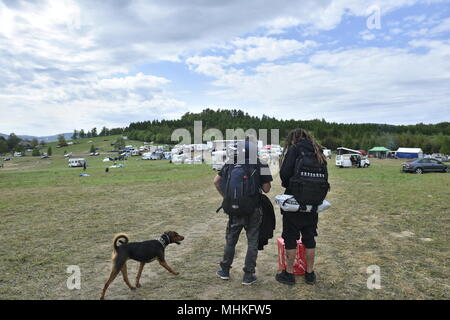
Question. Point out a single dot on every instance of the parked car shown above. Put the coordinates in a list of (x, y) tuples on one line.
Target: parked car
[(424, 165), (6, 159)]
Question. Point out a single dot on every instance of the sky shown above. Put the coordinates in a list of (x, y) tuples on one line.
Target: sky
[(68, 65)]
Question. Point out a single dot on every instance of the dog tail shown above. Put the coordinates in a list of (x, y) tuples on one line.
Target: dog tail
[(121, 238)]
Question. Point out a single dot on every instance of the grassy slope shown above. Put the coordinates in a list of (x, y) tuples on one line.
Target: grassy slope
[(52, 218)]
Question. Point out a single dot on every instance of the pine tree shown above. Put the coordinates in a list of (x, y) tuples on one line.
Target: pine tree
[(3, 146), (62, 141)]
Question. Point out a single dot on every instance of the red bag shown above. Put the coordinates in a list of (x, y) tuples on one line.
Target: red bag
[(300, 257)]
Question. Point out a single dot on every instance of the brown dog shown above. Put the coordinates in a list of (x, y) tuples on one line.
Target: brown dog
[(144, 252)]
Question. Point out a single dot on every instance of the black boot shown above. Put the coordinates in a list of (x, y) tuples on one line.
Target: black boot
[(285, 278), (310, 278)]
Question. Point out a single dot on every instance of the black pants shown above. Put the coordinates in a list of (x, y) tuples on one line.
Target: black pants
[(296, 223)]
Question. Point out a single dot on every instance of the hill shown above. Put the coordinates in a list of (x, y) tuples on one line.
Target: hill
[(45, 138)]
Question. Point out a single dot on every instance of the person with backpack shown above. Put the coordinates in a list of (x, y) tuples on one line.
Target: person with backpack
[(241, 182), (304, 174)]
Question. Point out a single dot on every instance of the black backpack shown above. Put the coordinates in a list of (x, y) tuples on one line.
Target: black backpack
[(309, 184), (240, 187)]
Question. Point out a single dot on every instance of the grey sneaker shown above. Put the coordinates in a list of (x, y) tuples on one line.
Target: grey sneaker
[(249, 278), (223, 274)]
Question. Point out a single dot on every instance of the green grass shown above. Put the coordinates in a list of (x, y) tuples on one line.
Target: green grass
[(52, 218)]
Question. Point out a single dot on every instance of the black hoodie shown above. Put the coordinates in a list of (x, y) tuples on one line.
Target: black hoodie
[(288, 166)]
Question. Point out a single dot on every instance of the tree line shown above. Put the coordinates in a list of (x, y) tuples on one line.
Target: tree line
[(432, 138), (15, 144)]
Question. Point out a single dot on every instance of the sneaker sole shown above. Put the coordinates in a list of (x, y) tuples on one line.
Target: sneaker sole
[(285, 282), (222, 277), (248, 283)]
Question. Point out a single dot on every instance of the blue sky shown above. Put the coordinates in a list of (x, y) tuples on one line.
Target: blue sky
[(81, 64)]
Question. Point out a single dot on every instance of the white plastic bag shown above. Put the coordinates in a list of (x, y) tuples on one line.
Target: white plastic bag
[(288, 203)]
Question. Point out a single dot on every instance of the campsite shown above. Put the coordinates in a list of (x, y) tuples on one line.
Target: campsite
[(54, 219)]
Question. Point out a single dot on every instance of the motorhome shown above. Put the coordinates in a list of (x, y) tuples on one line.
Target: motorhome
[(153, 155), (178, 158), (196, 160), (157, 155), (77, 162), (347, 158), (327, 153)]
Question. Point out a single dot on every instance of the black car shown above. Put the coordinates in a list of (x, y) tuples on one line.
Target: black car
[(424, 165)]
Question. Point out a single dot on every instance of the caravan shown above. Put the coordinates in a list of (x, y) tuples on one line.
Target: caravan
[(347, 158), (77, 162)]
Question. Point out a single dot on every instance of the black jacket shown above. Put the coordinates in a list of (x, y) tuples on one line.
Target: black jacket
[(268, 222)]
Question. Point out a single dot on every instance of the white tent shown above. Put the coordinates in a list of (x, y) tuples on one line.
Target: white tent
[(409, 153)]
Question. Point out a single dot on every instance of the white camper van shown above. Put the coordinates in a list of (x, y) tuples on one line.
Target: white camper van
[(219, 152), (77, 162), (347, 158), (178, 158)]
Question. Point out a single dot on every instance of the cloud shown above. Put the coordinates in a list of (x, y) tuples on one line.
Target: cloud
[(76, 64), (382, 84), (246, 50), (444, 26), (367, 35)]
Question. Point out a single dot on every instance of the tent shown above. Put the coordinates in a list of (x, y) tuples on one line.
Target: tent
[(379, 152), (409, 153)]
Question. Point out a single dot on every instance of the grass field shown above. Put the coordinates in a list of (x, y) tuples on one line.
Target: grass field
[(52, 218)]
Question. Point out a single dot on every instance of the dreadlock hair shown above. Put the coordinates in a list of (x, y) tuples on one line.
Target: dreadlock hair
[(296, 135)]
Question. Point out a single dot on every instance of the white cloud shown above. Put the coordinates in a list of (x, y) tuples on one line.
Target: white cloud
[(367, 35), (380, 83), (444, 26), (266, 48), (250, 49), (74, 63)]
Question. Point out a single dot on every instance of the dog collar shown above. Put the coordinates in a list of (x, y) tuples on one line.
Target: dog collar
[(164, 242)]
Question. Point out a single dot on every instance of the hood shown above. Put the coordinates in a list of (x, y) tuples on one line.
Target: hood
[(305, 145)]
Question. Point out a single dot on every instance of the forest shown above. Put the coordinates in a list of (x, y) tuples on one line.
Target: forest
[(432, 138)]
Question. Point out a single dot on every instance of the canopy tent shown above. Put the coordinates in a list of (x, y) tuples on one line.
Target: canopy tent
[(379, 152)]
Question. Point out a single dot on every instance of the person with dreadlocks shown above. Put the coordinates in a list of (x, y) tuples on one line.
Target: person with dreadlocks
[(298, 142)]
